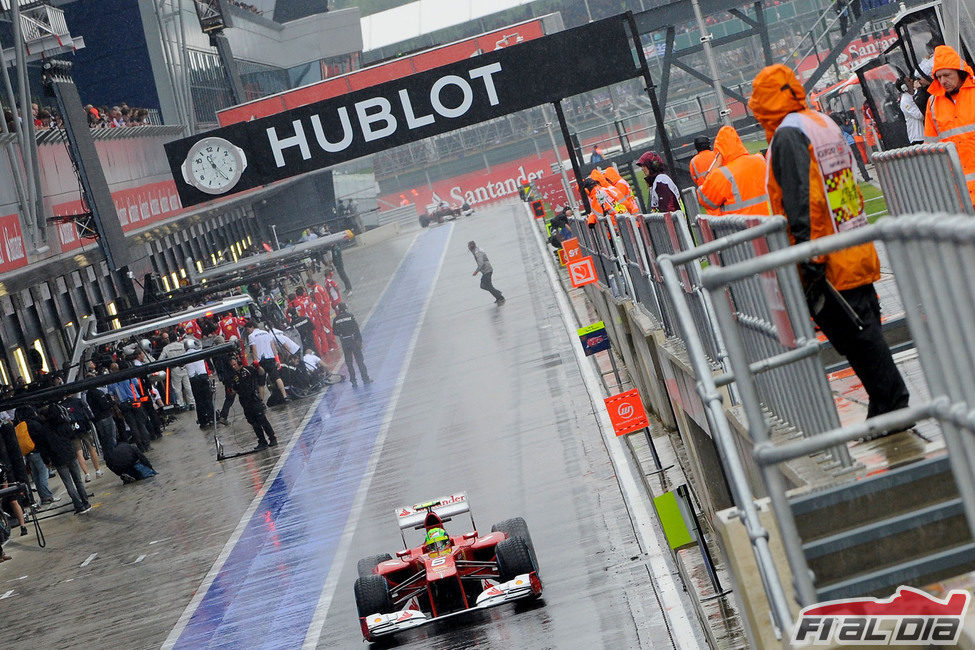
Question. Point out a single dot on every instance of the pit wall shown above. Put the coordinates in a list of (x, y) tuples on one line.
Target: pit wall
[(659, 369)]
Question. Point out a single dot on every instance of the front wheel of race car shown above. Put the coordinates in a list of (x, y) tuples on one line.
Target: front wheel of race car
[(424, 221), (372, 596), (516, 527), (514, 558), (367, 564)]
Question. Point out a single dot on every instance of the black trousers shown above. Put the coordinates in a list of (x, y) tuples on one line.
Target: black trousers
[(153, 421), (340, 268), (256, 416), (487, 286), (859, 158), (353, 351), (203, 398), (136, 420), (228, 398), (865, 349)]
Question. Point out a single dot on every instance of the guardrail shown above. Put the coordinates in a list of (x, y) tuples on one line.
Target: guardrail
[(923, 178), (928, 254)]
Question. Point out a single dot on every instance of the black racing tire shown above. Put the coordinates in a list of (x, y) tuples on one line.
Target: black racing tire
[(424, 221), (516, 527), (367, 564), (514, 558), (372, 596)]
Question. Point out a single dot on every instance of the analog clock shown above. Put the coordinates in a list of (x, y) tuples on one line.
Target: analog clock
[(214, 165)]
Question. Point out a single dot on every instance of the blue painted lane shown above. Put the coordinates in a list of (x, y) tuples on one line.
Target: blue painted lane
[(266, 593)]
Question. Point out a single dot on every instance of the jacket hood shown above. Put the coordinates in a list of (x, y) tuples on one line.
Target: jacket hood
[(947, 58), (612, 175), (776, 92), (598, 176), (729, 144)]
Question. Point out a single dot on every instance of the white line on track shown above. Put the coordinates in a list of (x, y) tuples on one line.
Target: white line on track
[(338, 562), (211, 575), (139, 559), (678, 613), (7, 595), (90, 558)]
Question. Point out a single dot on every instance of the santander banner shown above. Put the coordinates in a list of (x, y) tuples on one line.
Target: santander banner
[(136, 207), (13, 255), (477, 188)]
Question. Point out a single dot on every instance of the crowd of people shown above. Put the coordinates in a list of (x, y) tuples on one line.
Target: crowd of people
[(102, 117), (281, 344)]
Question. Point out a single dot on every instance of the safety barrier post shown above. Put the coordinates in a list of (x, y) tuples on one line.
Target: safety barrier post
[(728, 453), (923, 178)]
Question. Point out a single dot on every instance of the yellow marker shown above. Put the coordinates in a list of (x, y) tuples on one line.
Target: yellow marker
[(590, 328)]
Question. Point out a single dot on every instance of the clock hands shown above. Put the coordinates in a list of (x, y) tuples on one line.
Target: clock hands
[(214, 165)]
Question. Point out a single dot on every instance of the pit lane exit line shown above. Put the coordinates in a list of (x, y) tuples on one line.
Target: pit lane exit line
[(268, 580), (317, 625)]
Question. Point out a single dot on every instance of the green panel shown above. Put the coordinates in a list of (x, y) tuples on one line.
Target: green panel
[(675, 528)]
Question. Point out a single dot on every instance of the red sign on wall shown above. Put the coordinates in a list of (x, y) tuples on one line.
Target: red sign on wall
[(477, 188), (13, 254), (582, 272), (136, 207), (551, 189), (626, 412), (381, 73)]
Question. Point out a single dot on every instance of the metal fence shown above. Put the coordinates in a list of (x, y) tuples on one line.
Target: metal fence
[(923, 178), (771, 319), (929, 255)]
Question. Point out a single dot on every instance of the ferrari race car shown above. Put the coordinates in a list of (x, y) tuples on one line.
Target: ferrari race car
[(447, 576)]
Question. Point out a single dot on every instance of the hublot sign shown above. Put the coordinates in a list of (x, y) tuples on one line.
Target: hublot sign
[(405, 110)]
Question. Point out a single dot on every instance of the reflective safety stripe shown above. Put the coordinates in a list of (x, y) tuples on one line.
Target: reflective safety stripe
[(738, 203), (950, 133), (706, 201), (958, 130), (695, 175), (731, 179), (758, 200), (970, 177)]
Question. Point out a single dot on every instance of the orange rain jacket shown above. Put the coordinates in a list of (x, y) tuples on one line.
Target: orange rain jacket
[(776, 92), (605, 189), (738, 185), (700, 164), (952, 119), (623, 188)]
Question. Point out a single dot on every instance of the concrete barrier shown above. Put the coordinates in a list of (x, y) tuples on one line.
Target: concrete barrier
[(376, 235)]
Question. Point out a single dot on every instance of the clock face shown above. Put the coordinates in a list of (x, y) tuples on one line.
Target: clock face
[(213, 165)]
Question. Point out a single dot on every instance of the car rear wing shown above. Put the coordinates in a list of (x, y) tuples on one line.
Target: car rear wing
[(444, 507)]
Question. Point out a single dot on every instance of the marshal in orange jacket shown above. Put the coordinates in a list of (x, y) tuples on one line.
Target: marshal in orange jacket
[(951, 112), (738, 185)]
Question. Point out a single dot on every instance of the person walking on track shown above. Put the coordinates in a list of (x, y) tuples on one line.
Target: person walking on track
[(486, 270)]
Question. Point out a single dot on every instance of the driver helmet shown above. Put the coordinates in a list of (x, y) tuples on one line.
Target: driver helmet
[(437, 541)]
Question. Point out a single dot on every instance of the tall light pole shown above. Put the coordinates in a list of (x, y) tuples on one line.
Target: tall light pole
[(724, 113)]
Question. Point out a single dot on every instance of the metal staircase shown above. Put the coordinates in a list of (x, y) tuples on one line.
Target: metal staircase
[(903, 526)]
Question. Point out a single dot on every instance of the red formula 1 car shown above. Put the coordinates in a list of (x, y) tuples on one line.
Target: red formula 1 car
[(458, 574)]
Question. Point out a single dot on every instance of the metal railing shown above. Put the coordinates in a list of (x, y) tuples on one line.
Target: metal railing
[(772, 322), (929, 254), (923, 178)]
